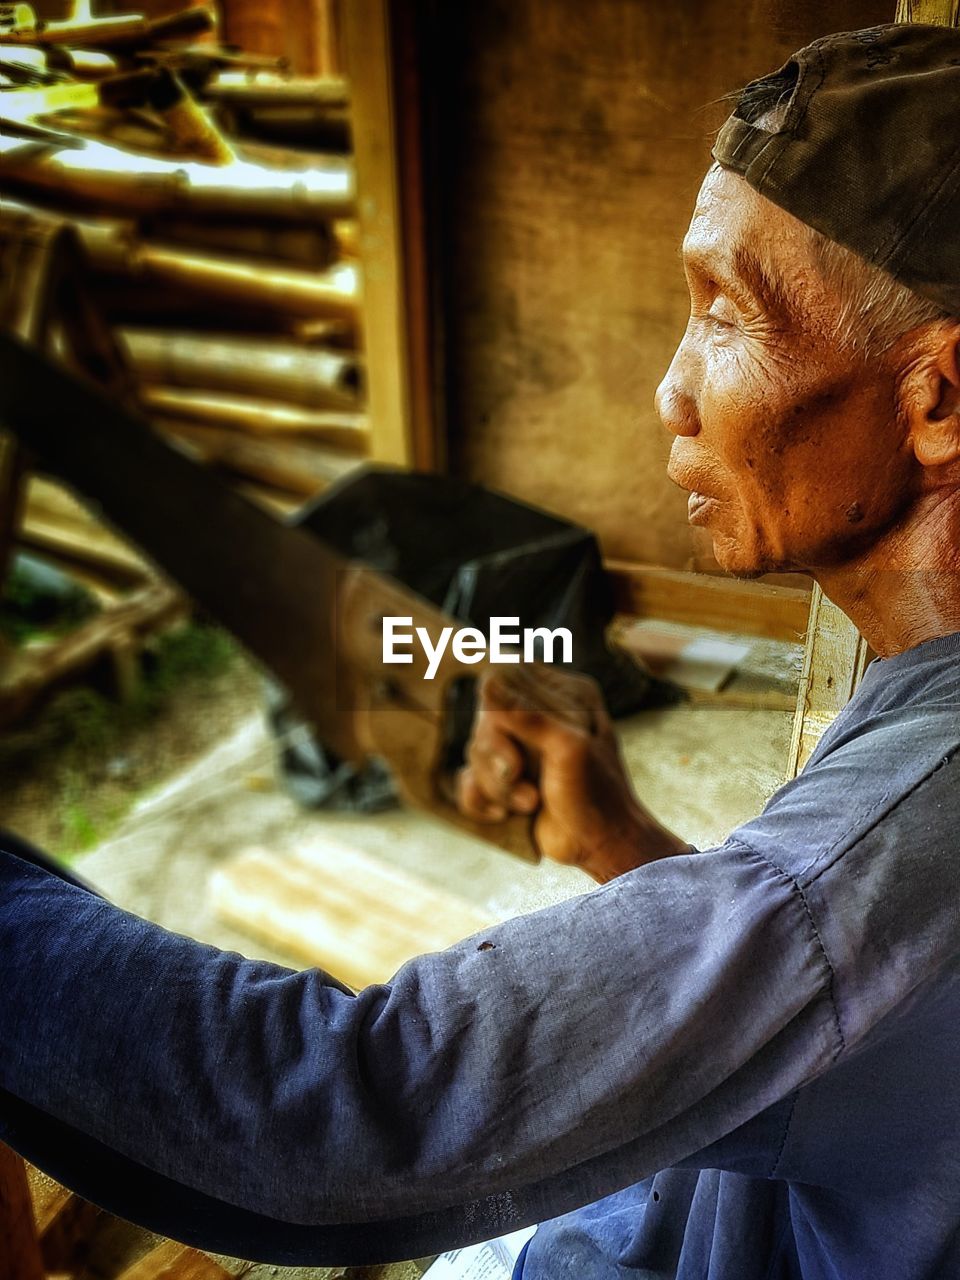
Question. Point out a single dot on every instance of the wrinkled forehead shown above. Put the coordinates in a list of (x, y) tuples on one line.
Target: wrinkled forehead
[(730, 213), (741, 239)]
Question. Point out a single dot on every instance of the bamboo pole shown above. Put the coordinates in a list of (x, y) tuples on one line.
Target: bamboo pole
[(122, 33), (238, 89), (107, 179), (310, 247), (55, 522), (270, 370), (290, 466), (325, 332), (346, 431), (229, 282), (346, 235)]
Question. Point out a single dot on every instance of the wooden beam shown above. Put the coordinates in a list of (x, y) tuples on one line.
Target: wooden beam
[(34, 674), (367, 40), (942, 13), (64, 1221), (22, 1260), (704, 600), (333, 905), (420, 165), (54, 522), (326, 37), (256, 26), (172, 1261), (833, 665), (292, 466)]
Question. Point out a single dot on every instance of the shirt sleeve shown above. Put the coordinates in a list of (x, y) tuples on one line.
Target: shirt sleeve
[(521, 1073)]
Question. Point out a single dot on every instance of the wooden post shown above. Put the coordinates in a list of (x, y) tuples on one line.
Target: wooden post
[(394, 287), (941, 13), (836, 653), (326, 41), (367, 47), (172, 1261), (835, 659), (18, 1234)]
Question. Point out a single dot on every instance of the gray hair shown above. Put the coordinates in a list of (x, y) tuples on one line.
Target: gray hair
[(875, 309)]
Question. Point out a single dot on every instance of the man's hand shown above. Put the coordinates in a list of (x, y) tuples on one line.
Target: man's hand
[(543, 744)]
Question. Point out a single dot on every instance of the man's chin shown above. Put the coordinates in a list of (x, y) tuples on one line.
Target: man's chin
[(746, 575), (743, 563)]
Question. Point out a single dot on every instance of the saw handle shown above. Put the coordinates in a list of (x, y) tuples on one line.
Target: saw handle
[(513, 835), (403, 717), (415, 748)]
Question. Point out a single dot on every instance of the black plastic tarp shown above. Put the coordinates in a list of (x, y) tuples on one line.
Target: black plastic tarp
[(477, 554)]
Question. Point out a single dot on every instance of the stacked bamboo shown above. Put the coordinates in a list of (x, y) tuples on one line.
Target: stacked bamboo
[(212, 194), (218, 231)]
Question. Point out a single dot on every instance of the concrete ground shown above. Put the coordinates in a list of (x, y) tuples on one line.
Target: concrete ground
[(701, 769)]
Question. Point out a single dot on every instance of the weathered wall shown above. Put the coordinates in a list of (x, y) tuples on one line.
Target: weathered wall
[(575, 137)]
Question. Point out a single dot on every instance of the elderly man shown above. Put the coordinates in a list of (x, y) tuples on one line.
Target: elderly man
[(766, 1033)]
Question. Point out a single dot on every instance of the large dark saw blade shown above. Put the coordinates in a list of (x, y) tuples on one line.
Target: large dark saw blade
[(273, 586), (313, 618)]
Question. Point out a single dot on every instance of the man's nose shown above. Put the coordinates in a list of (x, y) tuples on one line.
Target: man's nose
[(675, 406)]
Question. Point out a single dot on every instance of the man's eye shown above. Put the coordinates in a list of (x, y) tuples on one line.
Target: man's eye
[(722, 312)]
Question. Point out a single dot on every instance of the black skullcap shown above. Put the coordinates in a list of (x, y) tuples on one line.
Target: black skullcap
[(868, 149)]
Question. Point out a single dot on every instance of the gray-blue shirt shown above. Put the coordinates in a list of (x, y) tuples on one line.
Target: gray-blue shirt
[(764, 1036)]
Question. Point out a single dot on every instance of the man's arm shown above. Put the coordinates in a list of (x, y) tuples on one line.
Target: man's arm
[(511, 1078)]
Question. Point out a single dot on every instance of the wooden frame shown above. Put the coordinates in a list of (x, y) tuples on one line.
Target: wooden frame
[(379, 52), (944, 13), (45, 1231), (707, 600), (834, 661), (17, 1230)]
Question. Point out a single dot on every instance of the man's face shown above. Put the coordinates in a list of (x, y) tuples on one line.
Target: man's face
[(791, 449)]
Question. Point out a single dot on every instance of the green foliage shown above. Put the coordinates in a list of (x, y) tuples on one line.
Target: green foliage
[(91, 724), (89, 728), (80, 828), (188, 653), (85, 720), (38, 601)]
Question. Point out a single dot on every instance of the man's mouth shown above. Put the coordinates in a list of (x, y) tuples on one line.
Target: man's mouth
[(699, 508)]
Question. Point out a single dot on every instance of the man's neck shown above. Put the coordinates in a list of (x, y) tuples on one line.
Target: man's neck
[(906, 588)]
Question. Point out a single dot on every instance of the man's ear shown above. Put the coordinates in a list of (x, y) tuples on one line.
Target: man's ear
[(930, 396)]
